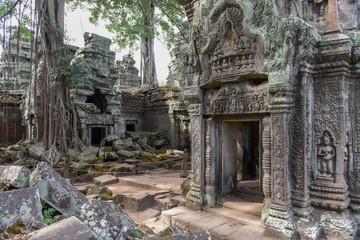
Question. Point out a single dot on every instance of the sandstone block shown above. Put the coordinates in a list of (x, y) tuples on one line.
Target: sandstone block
[(55, 190), (21, 205), (106, 179), (36, 150), (105, 219), (67, 229), (16, 175), (139, 202), (127, 154)]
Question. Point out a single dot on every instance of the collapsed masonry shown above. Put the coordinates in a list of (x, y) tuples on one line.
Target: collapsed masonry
[(277, 82), (110, 101)]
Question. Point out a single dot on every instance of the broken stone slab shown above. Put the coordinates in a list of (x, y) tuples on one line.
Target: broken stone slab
[(105, 219), (171, 230), (110, 156), (143, 143), (89, 154), (17, 176), (118, 145), (190, 236), (123, 169), (55, 190), (111, 138), (21, 205), (12, 156), (36, 150), (67, 229), (106, 179), (139, 202), (128, 143), (127, 154), (148, 155), (159, 143)]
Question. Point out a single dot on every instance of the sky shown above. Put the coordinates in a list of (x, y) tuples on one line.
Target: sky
[(77, 23)]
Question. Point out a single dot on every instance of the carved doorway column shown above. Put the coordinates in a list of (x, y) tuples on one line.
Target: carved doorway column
[(197, 146), (280, 215)]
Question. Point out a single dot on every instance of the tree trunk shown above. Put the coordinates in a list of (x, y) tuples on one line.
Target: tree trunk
[(149, 76)]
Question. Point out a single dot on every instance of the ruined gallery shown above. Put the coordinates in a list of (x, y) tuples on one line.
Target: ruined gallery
[(263, 93)]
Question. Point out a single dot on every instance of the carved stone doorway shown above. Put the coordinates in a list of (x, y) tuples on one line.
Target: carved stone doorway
[(240, 154)]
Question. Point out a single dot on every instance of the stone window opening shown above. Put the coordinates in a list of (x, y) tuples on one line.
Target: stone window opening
[(98, 100), (130, 127)]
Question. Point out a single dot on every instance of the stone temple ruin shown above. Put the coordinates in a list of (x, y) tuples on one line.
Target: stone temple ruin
[(268, 91), (277, 97)]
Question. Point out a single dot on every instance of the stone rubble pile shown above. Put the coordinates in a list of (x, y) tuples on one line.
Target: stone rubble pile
[(26, 194), (44, 186), (137, 152)]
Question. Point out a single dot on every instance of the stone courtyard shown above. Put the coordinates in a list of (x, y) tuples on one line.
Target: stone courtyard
[(256, 134)]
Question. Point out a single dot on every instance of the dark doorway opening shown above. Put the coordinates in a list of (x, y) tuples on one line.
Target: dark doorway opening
[(130, 127), (97, 134), (240, 153), (240, 187), (98, 100)]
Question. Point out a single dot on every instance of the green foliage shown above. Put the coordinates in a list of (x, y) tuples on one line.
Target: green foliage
[(20, 15), (126, 19), (48, 214), (2, 226), (70, 71), (135, 234)]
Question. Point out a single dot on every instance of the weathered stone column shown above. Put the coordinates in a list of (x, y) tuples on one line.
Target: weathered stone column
[(302, 144), (197, 146), (266, 166), (210, 195), (280, 224)]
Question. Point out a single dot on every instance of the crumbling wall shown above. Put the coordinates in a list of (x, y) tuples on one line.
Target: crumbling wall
[(158, 110), (11, 130)]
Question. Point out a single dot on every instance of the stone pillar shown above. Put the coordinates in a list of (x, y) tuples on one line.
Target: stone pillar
[(83, 127), (210, 196), (302, 144), (197, 146), (280, 223), (266, 166)]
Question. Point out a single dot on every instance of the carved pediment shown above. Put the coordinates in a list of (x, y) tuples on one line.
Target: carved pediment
[(234, 52)]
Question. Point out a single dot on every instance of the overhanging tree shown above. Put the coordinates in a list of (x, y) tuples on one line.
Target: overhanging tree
[(138, 21)]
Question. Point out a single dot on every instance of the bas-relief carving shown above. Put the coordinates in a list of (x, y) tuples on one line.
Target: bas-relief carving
[(243, 97), (326, 156)]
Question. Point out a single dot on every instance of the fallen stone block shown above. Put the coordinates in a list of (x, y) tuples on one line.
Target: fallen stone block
[(123, 168), (16, 175), (89, 154), (127, 154), (172, 230), (67, 229), (55, 190), (190, 236), (110, 156), (118, 144), (105, 219), (11, 155), (36, 150), (106, 179), (21, 205), (143, 143), (159, 143), (139, 202)]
